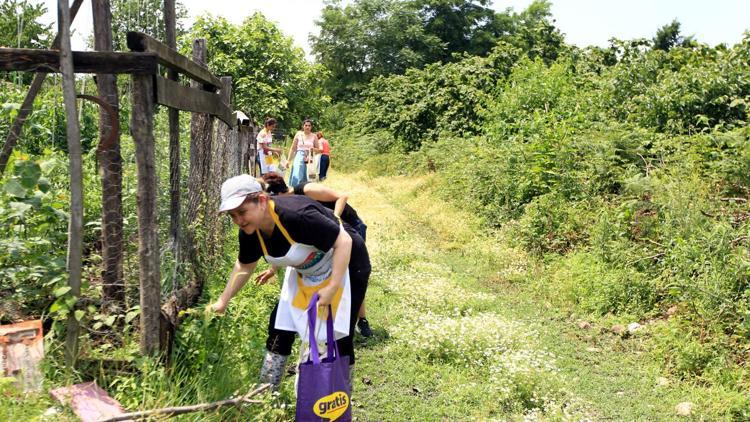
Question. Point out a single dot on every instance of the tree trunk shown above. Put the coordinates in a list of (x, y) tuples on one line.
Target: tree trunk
[(75, 227), (110, 169)]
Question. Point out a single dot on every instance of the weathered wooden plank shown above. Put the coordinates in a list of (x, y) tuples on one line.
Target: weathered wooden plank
[(170, 58), (170, 23), (142, 129), (172, 94), (73, 132), (48, 61)]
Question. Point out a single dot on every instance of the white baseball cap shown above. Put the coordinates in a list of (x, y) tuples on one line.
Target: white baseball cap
[(235, 189)]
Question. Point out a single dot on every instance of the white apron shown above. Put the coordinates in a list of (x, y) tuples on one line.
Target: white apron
[(308, 270)]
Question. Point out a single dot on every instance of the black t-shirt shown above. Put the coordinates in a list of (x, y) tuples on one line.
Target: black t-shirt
[(307, 222), (348, 216)]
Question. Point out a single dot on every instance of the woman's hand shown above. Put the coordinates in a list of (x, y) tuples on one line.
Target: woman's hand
[(326, 294), (266, 275), (217, 307)]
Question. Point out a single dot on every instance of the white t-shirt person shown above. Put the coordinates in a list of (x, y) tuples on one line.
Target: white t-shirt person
[(265, 151)]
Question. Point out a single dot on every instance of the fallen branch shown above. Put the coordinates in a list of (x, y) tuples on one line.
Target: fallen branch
[(168, 412), (734, 199)]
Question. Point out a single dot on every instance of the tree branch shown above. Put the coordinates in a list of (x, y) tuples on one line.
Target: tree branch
[(168, 412)]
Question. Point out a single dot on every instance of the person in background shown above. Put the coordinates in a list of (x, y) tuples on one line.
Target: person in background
[(333, 200), (320, 255), (324, 148), (265, 151), (300, 153)]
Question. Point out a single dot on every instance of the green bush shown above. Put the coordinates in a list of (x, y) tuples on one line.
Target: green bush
[(598, 288), (33, 225), (552, 224)]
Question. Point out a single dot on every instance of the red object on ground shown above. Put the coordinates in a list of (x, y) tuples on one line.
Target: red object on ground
[(21, 351), (89, 401)]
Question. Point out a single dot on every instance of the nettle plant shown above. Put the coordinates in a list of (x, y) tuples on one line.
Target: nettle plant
[(33, 224)]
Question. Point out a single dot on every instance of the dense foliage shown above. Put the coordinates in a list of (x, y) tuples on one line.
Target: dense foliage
[(623, 168), (370, 38), (20, 28), (270, 77)]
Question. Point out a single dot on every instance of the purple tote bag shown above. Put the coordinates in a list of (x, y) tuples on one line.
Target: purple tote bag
[(323, 387)]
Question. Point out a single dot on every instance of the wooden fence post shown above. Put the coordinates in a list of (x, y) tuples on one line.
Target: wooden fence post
[(174, 146), (141, 127), (201, 141), (226, 151), (75, 227), (110, 169)]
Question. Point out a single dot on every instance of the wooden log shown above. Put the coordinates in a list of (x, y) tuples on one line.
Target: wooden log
[(110, 168), (141, 127), (172, 59), (28, 101), (73, 132), (168, 412), (48, 61), (173, 94)]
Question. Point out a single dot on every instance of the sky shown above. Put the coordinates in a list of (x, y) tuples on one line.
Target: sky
[(584, 22)]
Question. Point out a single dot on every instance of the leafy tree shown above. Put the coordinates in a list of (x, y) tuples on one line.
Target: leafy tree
[(20, 28), (669, 36), (369, 38), (534, 32), (270, 76), (463, 26), (440, 100), (145, 16)]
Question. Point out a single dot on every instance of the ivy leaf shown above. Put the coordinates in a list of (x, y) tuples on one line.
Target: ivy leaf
[(55, 306), (61, 291), (737, 102), (131, 316), (110, 320), (44, 185), (14, 188), (29, 172), (11, 106), (18, 209), (79, 315)]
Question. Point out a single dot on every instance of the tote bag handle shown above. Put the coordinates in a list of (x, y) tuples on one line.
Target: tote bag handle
[(312, 316)]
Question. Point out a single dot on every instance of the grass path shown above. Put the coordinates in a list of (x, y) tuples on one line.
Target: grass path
[(461, 335)]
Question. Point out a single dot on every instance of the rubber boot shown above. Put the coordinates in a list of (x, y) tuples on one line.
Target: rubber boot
[(272, 370)]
